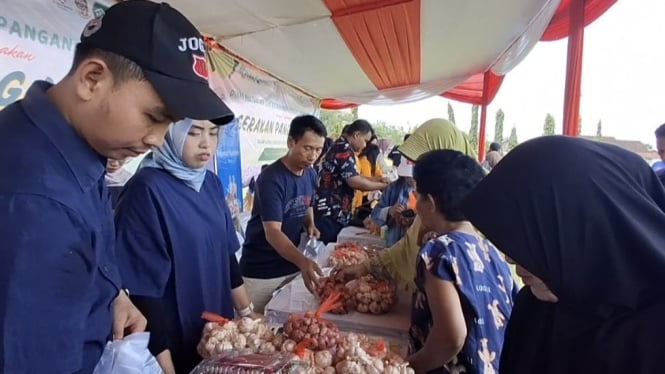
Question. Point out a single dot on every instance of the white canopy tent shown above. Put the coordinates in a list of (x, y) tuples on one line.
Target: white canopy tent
[(330, 49)]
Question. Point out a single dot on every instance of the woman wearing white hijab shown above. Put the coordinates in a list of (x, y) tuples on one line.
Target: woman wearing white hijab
[(176, 244)]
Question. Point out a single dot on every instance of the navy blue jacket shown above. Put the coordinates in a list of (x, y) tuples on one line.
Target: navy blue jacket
[(58, 275)]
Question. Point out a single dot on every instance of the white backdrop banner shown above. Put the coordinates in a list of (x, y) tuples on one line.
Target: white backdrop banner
[(37, 41), (264, 108)]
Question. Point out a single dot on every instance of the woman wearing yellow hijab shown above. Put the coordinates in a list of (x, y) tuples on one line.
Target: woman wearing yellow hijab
[(398, 263)]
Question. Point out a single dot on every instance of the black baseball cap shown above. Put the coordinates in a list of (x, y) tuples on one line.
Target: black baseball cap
[(168, 48)]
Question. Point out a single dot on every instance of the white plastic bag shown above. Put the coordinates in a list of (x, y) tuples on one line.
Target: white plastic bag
[(310, 247), (128, 356)]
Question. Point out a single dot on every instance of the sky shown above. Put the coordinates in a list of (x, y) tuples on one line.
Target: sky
[(623, 82)]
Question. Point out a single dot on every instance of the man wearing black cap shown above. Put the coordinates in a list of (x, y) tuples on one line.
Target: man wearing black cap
[(138, 68)]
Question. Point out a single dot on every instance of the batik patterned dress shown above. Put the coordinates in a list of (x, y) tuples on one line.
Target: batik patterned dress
[(486, 290)]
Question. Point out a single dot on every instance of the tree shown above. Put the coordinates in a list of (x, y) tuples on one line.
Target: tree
[(354, 112), (335, 120), (548, 128), (498, 127), (451, 113), (512, 139), (385, 131), (599, 129), (473, 131)]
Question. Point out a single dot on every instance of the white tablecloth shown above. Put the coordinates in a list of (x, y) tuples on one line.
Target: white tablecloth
[(361, 236)]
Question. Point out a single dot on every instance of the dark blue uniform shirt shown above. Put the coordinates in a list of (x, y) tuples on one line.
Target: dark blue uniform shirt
[(281, 196), (174, 244), (58, 276)]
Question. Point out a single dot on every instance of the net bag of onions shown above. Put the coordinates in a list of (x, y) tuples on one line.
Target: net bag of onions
[(328, 286), (372, 295), (324, 334), (244, 335), (347, 254)]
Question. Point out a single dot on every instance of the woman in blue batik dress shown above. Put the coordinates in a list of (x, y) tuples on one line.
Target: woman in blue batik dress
[(465, 289)]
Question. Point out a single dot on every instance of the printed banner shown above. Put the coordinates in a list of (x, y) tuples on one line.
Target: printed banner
[(264, 108), (228, 166), (37, 41)]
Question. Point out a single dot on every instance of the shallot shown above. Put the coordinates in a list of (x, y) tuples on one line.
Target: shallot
[(323, 334), (309, 326), (328, 286)]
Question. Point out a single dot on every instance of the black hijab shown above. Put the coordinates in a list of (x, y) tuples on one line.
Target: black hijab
[(588, 219)]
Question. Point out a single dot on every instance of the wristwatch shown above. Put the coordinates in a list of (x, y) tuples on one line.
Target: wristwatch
[(246, 311)]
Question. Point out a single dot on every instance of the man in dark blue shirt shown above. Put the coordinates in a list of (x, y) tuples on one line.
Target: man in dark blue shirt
[(282, 206), (137, 68)]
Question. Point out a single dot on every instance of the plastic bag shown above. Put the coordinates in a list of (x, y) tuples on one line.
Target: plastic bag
[(128, 356), (235, 362), (310, 247)]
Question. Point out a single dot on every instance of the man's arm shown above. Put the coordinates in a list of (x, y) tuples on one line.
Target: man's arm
[(346, 167), (282, 244), (46, 282), (310, 227), (309, 217), (361, 183), (271, 199), (309, 269), (380, 212)]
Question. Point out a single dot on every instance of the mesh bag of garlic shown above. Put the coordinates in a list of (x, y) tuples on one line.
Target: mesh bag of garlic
[(371, 295), (244, 335)]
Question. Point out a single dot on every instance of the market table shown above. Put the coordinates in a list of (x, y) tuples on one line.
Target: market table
[(361, 236), (393, 326)]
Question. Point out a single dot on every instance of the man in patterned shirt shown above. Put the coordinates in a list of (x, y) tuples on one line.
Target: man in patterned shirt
[(339, 178)]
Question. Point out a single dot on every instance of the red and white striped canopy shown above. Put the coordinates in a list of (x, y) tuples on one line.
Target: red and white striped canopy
[(375, 51)]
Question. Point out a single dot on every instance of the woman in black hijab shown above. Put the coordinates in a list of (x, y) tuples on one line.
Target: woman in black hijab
[(585, 223)]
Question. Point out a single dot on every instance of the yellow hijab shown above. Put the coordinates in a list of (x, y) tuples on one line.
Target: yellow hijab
[(400, 259)]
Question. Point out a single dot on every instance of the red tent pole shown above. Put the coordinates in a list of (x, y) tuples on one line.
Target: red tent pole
[(571, 104), (481, 133), (483, 116)]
